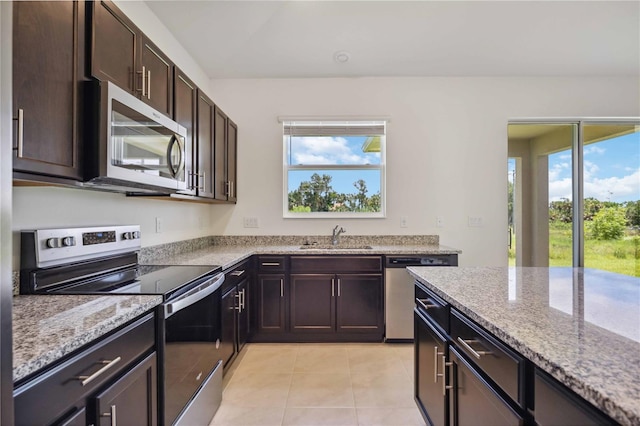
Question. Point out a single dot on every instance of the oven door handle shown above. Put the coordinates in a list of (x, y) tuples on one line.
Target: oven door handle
[(194, 295)]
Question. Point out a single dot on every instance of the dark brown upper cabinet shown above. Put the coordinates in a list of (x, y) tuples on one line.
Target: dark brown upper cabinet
[(225, 157), (122, 54), (204, 178), (185, 101), (48, 71), (232, 160)]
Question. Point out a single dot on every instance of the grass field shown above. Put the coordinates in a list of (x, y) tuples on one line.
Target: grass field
[(621, 256)]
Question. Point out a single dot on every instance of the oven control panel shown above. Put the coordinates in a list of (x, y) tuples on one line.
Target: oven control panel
[(49, 247)]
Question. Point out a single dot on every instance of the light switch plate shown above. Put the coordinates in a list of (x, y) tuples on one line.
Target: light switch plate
[(404, 222), (250, 222)]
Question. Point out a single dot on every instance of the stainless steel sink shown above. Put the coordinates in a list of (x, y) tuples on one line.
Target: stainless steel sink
[(336, 247)]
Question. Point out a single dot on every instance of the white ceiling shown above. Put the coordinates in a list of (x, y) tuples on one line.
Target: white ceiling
[(288, 39)]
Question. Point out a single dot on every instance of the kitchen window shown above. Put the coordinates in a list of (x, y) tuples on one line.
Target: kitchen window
[(334, 168)]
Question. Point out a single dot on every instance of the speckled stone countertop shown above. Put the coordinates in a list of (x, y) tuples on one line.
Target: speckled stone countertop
[(227, 251), (580, 325), (46, 328)]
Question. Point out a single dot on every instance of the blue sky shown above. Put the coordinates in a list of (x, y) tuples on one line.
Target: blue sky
[(333, 150), (611, 170)]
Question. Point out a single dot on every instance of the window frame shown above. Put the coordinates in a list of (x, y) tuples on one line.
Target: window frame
[(286, 168)]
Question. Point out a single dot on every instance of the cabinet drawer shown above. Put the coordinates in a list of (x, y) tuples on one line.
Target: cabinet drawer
[(272, 263), (336, 264), (432, 306), (235, 275), (61, 387), (498, 362)]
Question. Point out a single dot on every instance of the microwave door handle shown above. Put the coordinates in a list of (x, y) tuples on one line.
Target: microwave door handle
[(172, 168), (193, 296)]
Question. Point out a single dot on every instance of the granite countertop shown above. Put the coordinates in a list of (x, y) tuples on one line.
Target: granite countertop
[(46, 328), (227, 255), (580, 325)]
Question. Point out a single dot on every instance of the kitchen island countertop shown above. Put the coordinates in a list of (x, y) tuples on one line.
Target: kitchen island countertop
[(46, 328), (580, 325)]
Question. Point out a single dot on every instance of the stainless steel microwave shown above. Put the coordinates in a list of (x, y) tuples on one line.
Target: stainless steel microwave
[(133, 147)]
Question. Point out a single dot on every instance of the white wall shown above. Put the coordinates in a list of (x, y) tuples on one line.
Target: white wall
[(446, 147)]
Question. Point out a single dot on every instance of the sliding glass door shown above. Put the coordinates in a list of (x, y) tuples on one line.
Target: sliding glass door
[(575, 194)]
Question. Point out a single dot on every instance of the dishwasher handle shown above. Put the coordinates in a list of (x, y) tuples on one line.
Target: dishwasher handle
[(194, 295)]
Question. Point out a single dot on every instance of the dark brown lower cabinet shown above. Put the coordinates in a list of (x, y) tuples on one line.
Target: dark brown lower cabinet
[(431, 393), (271, 303), (313, 306), (229, 327), (359, 304), (131, 400), (474, 401), (557, 406)]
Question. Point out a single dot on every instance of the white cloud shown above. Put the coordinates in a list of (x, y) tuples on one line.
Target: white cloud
[(559, 189), (614, 188), (325, 150), (594, 149)]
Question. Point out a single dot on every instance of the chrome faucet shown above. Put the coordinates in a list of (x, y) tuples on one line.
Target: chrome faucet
[(335, 238)]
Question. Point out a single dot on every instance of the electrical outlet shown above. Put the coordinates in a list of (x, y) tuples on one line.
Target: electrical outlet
[(403, 222), (158, 225), (475, 221), (439, 221), (250, 222)]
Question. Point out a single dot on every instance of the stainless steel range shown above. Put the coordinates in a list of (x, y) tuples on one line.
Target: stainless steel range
[(104, 260)]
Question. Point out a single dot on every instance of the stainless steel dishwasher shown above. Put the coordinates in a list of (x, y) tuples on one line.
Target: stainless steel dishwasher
[(399, 297)]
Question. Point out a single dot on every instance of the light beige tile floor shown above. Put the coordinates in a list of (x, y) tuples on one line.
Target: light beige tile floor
[(338, 384)]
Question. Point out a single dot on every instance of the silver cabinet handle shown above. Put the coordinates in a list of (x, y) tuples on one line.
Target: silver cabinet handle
[(239, 306), (339, 287), (332, 287), (204, 181), (426, 304), (112, 414), (20, 132), (149, 84), (200, 176), (465, 344), (144, 83), (233, 190), (270, 263), (237, 273), (244, 294), (281, 287), (85, 380), (227, 188), (445, 364), (435, 364)]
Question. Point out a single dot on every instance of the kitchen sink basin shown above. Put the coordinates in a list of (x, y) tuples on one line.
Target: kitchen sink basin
[(336, 247)]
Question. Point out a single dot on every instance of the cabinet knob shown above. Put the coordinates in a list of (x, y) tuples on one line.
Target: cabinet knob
[(68, 241)]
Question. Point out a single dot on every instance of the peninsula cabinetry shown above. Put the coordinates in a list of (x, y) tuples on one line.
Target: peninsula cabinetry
[(48, 70), (464, 375), (112, 381)]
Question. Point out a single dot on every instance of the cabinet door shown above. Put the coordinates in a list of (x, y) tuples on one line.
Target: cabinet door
[(132, 399), (158, 71), (115, 45), (557, 406), (313, 303), (243, 314), (232, 160), (271, 303), (474, 402), (360, 303), (430, 363), (205, 177), (48, 64), (229, 330), (184, 113), (220, 160)]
